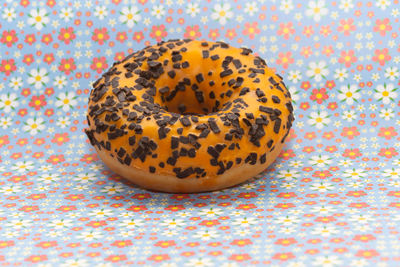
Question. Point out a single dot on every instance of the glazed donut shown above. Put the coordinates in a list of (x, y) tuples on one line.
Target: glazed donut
[(189, 116)]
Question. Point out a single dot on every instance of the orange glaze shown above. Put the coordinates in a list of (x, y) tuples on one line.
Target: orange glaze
[(197, 65)]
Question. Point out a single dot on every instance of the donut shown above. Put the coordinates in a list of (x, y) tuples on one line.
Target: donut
[(188, 116)]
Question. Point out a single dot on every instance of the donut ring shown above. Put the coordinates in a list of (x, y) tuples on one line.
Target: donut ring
[(189, 116)]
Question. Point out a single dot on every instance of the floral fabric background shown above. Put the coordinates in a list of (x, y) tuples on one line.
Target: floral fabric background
[(332, 198)]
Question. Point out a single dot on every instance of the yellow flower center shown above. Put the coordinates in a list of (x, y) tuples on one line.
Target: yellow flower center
[(7, 102), (222, 13), (38, 18), (385, 93), (130, 16), (38, 78), (34, 126), (317, 70), (66, 101), (349, 94)]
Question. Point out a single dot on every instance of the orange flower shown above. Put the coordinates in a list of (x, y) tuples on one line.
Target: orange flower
[(284, 256), (368, 253), (165, 244), (286, 241)]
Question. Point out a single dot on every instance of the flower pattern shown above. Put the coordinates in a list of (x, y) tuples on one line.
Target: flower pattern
[(330, 199)]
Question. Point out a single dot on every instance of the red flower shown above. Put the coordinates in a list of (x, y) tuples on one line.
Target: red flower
[(332, 106), (121, 243), (7, 66), (89, 158), (286, 30), (308, 149), (66, 35), (350, 132), (74, 197), (138, 36), (331, 149), (287, 154), (97, 224), (287, 195), (325, 30), (326, 219), (175, 207), (209, 223), (247, 195), (286, 241), (359, 205), (137, 208), (346, 26), (36, 196), (159, 257), (28, 208), (37, 102), (66, 208), (47, 38), (367, 253), (60, 139), (67, 65), (364, 238), (99, 64), (246, 207), (394, 193), (5, 244), (352, 153), (100, 35), (55, 159), (381, 56), (28, 59), (9, 38), (36, 258), (251, 29), (192, 32), (305, 85), (240, 257), (141, 196), (116, 258), (30, 39), (165, 244), (179, 196), (387, 133), (46, 244), (119, 56), (319, 95), (230, 34), (48, 58), (322, 174), (285, 206), (306, 51), (285, 59), (241, 242), (327, 50), (308, 31), (382, 26), (158, 32), (283, 256), (4, 140), (388, 152), (121, 37), (347, 58)]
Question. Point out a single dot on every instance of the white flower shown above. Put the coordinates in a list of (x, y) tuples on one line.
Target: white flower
[(38, 18), (359, 262), (295, 163), (22, 166), (66, 101), (287, 220), (392, 73), (38, 77), (75, 263), (100, 12), (245, 221), (294, 94), (294, 76), (8, 102), (349, 115), (317, 70), (206, 234), (113, 189), (327, 261), (323, 209), (316, 9), (354, 173), (222, 13), (10, 189), (392, 173), (320, 160), (66, 13), (251, 8), (319, 119), (15, 83), (90, 235), (86, 177), (382, 4), (130, 16), (361, 218), (101, 213), (325, 230), (385, 93), (193, 9), (9, 14), (5, 122), (60, 223), (346, 5), (49, 178), (286, 6), (386, 113), (322, 187), (349, 93), (210, 212), (63, 122), (34, 125), (288, 174), (158, 11), (173, 223), (341, 74), (60, 81), (19, 223), (199, 262)]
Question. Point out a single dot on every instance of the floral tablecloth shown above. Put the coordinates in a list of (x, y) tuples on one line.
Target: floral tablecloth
[(330, 199)]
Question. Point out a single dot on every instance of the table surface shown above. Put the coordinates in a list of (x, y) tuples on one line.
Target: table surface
[(330, 199)]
